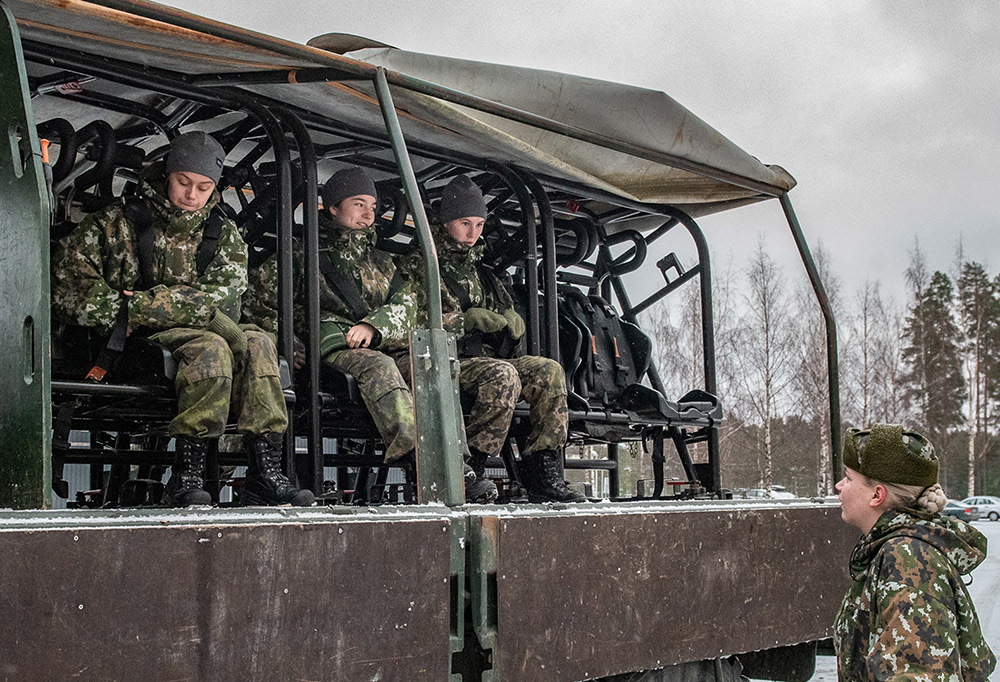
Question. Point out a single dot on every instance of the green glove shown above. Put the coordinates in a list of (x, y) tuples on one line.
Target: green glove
[(484, 320), (224, 326), (514, 323), (331, 338)]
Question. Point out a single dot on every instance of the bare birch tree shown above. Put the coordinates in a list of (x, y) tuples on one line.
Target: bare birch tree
[(767, 351)]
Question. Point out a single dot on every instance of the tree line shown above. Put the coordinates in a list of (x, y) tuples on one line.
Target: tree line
[(930, 362)]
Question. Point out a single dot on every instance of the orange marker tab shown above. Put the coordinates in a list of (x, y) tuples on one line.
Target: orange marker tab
[(96, 373), (45, 150)]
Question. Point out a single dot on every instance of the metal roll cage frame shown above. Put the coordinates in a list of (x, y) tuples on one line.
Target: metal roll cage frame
[(532, 195)]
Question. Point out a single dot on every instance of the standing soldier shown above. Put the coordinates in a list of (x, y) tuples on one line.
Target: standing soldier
[(480, 311), (907, 614), (170, 266)]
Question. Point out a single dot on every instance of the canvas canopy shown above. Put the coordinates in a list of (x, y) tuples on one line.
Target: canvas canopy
[(635, 143)]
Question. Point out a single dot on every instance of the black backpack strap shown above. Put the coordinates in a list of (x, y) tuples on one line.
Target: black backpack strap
[(486, 276), (139, 215), (396, 283), (113, 348), (210, 236), (457, 290), (343, 287)]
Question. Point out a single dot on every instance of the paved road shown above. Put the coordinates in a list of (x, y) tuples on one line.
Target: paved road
[(985, 591)]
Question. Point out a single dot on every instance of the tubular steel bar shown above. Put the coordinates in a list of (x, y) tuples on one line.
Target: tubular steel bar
[(314, 435), (434, 357), (832, 363), (548, 262), (412, 190), (521, 191)]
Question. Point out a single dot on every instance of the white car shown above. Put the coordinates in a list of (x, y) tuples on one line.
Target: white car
[(989, 507)]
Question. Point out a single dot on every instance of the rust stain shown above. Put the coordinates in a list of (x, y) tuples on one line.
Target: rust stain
[(201, 58)]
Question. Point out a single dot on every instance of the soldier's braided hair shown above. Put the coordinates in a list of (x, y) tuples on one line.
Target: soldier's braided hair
[(926, 501)]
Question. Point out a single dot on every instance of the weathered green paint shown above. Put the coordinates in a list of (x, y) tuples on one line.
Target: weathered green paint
[(435, 364), (438, 410), (483, 584), (25, 409)]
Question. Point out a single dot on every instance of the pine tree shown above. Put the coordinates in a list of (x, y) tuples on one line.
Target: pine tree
[(977, 317), (934, 386)]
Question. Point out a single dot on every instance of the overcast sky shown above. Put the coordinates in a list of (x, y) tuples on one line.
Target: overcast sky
[(886, 112)]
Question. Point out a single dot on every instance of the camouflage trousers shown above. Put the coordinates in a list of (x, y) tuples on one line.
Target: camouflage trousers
[(212, 386), (386, 395), (495, 386)]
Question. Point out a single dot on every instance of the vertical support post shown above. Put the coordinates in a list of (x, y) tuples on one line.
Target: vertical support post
[(707, 337), (25, 390), (314, 436), (832, 363), (435, 363), (551, 295)]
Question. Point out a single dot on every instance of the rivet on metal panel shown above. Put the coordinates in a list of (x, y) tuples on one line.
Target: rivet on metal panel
[(286, 590), (76, 538), (81, 607), (444, 528), (340, 531)]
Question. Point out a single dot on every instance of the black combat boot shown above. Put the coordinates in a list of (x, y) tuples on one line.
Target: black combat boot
[(478, 488), (266, 484), (187, 474), (541, 473)]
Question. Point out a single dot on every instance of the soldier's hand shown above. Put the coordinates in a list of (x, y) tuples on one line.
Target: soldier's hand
[(360, 335), (128, 327), (515, 323), (298, 353), (484, 320)]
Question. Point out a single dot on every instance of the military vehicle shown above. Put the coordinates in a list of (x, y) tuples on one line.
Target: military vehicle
[(392, 576)]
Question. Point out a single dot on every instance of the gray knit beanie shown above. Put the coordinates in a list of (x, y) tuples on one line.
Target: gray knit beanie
[(196, 152), (887, 453), (461, 198), (349, 182)]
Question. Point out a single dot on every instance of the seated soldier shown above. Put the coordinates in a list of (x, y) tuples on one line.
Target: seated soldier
[(366, 311), (480, 311), (140, 269)]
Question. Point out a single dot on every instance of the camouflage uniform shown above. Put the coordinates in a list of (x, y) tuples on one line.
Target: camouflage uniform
[(96, 262), (907, 615), (494, 385), (392, 313)]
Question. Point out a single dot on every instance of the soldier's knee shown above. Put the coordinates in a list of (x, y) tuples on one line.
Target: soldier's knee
[(261, 348), (211, 359), (508, 379), (552, 373)]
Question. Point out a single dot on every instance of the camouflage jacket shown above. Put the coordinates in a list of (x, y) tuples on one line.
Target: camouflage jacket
[(98, 260), (907, 615), (462, 264), (260, 301), (353, 253)]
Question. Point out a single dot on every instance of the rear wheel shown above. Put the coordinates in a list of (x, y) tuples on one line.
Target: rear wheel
[(994, 516)]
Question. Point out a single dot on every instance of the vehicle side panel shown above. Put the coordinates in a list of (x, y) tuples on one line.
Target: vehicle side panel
[(345, 601), (626, 592)]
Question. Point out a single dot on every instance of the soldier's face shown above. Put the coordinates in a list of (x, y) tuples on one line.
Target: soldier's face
[(189, 191), (356, 213), (856, 497), (465, 231)]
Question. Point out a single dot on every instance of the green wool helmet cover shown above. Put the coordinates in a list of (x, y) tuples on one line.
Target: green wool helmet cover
[(888, 454)]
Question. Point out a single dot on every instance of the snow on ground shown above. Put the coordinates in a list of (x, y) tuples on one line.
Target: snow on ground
[(985, 590)]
